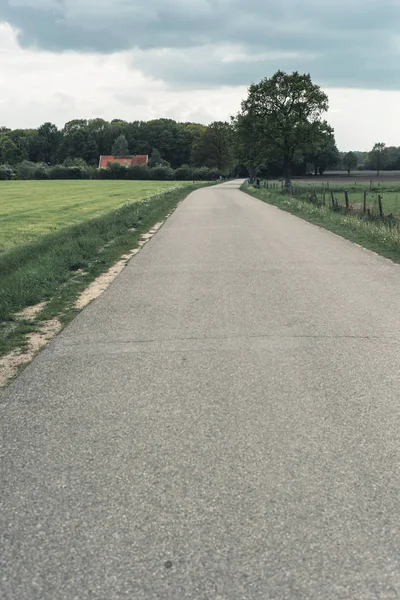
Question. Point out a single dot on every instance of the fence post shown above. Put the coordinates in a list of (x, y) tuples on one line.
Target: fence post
[(370, 185), (365, 202), (333, 199), (346, 199), (380, 205)]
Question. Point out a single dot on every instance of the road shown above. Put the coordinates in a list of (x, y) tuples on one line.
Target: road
[(222, 423)]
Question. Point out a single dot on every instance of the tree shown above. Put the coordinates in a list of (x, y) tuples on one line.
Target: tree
[(283, 115), (392, 158), (48, 140), (91, 150), (9, 152), (155, 158), (325, 156), (120, 146), (350, 162), (376, 157), (214, 148)]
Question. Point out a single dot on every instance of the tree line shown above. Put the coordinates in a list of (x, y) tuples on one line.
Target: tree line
[(166, 141), (280, 130), (380, 158)]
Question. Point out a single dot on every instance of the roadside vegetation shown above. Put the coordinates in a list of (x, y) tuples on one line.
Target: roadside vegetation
[(374, 235), (55, 267), (322, 190)]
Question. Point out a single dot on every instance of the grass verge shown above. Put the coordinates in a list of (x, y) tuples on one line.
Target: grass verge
[(58, 266), (372, 235)]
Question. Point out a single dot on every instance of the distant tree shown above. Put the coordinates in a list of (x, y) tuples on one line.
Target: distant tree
[(392, 158), (91, 150), (280, 118), (9, 152), (77, 143), (326, 155), (350, 162), (48, 139), (120, 146), (155, 158), (376, 157), (214, 147)]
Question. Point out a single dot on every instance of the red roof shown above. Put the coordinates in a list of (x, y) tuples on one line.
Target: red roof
[(128, 161)]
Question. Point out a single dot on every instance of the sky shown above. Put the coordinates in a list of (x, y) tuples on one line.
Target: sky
[(193, 60)]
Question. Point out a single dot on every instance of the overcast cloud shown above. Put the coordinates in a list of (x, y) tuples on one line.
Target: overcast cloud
[(193, 59), (345, 43)]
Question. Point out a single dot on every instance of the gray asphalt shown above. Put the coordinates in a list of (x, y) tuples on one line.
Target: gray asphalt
[(222, 423)]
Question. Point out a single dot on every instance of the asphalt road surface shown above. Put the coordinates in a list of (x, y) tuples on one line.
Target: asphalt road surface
[(222, 423)]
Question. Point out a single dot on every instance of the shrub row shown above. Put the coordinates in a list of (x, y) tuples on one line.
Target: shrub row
[(29, 170)]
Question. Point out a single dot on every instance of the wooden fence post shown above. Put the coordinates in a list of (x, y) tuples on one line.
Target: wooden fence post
[(365, 202), (370, 186), (346, 199), (380, 205), (333, 199)]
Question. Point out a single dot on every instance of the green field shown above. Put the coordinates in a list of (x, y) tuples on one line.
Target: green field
[(388, 190), (57, 237), (30, 209)]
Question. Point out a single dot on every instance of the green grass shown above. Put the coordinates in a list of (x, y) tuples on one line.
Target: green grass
[(55, 267), (370, 234), (31, 209), (390, 192)]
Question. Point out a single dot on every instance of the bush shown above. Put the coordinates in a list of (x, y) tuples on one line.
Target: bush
[(184, 173), (42, 172), (116, 171), (75, 162), (6, 173), (162, 173), (140, 172), (113, 171), (26, 170), (205, 174), (62, 172)]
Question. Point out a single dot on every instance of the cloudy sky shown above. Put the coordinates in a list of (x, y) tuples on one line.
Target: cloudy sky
[(192, 60)]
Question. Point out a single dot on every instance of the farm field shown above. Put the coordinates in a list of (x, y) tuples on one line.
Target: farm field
[(388, 188), (58, 237), (30, 209)]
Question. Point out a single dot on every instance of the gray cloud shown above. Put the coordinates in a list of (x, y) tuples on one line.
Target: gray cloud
[(224, 42)]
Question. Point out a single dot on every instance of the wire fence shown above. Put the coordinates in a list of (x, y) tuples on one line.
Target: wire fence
[(367, 204)]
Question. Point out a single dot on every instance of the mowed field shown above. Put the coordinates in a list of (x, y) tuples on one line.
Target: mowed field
[(30, 209)]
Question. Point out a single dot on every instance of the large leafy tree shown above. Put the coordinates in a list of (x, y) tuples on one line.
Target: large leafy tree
[(214, 147), (280, 118), (325, 155)]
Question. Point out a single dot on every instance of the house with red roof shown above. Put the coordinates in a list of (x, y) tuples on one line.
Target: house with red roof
[(127, 161)]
